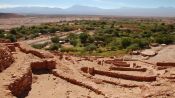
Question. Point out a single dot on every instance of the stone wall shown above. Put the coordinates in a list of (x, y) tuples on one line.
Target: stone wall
[(78, 82), (44, 64), (22, 85), (39, 53), (128, 69), (6, 58), (120, 75), (125, 76), (117, 63), (166, 64)]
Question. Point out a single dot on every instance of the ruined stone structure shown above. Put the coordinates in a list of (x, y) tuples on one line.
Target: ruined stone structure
[(6, 58)]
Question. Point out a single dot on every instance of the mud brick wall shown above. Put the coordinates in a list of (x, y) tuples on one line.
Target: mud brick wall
[(44, 64), (77, 82), (121, 64), (6, 58), (117, 63), (21, 86), (88, 70), (36, 52), (12, 48), (125, 76), (166, 64), (128, 69), (119, 75)]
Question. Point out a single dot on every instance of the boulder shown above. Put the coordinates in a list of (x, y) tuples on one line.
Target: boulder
[(148, 53), (135, 52), (154, 44)]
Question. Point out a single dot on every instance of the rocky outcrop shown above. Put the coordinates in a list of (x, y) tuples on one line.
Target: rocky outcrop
[(6, 58), (149, 53), (120, 75)]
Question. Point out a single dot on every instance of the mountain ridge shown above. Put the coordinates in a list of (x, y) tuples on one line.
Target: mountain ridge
[(87, 10)]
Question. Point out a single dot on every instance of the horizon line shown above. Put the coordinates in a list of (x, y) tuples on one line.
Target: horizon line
[(46, 6)]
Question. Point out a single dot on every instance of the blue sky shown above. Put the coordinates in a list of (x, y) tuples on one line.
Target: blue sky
[(107, 4)]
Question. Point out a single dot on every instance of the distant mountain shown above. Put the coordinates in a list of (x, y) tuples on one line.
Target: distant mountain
[(9, 15), (31, 10), (86, 10)]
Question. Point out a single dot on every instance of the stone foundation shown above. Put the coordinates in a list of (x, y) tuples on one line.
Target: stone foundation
[(166, 64), (21, 86), (44, 64), (128, 69), (120, 75), (39, 53)]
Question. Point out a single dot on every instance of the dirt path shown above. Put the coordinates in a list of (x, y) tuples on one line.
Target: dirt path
[(44, 39)]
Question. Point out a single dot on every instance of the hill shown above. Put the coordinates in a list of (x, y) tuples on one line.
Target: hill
[(86, 10), (9, 15)]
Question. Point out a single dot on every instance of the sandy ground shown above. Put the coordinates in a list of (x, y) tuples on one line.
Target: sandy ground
[(166, 54), (47, 85), (7, 23)]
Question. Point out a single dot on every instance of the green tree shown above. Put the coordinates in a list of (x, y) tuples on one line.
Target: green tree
[(125, 42), (73, 39), (13, 31), (55, 39), (11, 37), (91, 47), (84, 38), (54, 46)]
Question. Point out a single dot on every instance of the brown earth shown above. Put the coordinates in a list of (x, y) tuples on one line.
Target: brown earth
[(40, 74), (8, 21)]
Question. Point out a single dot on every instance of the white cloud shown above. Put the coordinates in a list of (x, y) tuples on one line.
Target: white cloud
[(12, 6), (7, 5)]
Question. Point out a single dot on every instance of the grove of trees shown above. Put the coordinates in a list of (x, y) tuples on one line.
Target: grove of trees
[(108, 35)]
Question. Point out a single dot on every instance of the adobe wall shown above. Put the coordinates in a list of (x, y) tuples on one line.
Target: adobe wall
[(22, 85), (39, 53), (44, 64), (6, 58), (117, 62), (166, 64), (77, 82), (125, 76), (128, 69), (119, 75)]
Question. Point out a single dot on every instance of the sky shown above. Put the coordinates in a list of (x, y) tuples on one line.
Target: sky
[(105, 4)]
